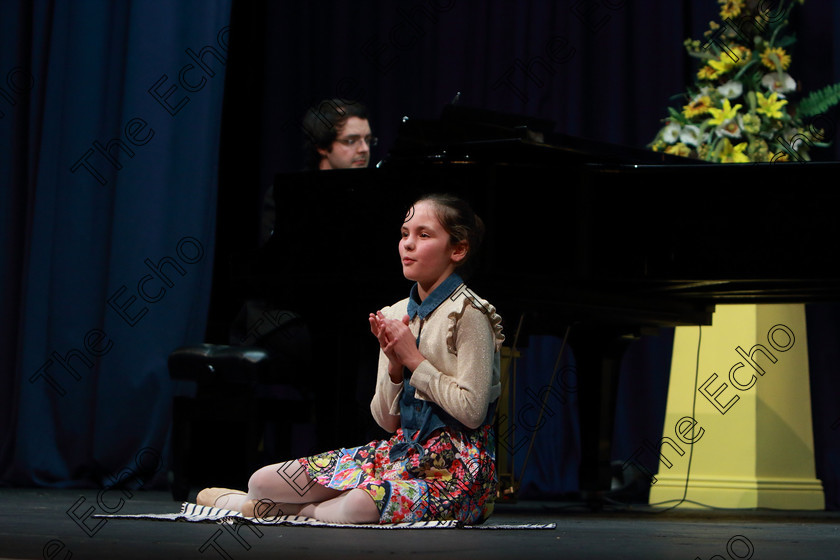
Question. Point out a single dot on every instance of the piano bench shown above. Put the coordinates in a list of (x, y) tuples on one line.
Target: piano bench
[(227, 400), (214, 363)]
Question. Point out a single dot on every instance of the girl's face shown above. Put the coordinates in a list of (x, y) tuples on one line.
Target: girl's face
[(427, 255)]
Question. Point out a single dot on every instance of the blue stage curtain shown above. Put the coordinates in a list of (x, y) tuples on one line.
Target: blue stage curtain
[(546, 438), (109, 143), (544, 434), (823, 325)]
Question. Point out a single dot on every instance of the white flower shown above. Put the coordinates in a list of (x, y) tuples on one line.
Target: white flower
[(790, 137), (731, 128), (690, 135), (731, 89), (780, 83), (671, 133), (705, 90)]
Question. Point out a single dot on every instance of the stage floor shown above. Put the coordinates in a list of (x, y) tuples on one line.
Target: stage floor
[(35, 524)]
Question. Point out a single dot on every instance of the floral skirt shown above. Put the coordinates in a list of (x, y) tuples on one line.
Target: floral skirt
[(454, 477)]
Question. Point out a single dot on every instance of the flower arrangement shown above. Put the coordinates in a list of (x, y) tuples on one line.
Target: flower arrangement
[(741, 107)]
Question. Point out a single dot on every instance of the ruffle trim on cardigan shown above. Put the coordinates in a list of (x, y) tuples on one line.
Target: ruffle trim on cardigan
[(486, 308)]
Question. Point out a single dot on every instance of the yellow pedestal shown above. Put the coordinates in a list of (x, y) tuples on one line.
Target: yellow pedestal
[(746, 430)]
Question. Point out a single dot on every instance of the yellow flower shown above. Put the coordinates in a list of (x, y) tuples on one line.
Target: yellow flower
[(322, 462), (721, 66), (770, 106), (379, 493), (706, 73), (678, 149), (752, 124), (721, 115), (776, 54), (758, 150), (439, 474), (733, 154), (713, 27), (730, 8), (698, 106), (742, 53)]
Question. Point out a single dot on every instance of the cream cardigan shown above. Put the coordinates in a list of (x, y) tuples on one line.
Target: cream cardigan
[(460, 340)]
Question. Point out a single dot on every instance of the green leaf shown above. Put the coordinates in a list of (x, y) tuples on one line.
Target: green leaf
[(819, 101), (749, 79), (676, 115), (786, 41)]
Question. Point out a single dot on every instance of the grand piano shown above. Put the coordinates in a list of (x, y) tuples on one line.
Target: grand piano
[(585, 240)]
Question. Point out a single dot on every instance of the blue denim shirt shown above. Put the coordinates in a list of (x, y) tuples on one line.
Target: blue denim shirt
[(416, 414)]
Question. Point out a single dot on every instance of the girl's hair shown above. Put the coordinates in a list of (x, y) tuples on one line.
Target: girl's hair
[(462, 224)]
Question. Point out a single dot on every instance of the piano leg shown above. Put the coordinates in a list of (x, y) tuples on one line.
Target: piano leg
[(598, 354)]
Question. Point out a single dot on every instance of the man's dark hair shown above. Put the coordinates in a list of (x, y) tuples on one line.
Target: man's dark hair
[(323, 123)]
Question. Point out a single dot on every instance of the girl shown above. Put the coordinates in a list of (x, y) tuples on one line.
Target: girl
[(437, 383)]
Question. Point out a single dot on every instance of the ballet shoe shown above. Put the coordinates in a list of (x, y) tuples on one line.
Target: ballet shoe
[(216, 497)]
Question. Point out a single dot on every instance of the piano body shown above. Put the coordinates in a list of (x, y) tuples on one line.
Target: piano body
[(605, 241)]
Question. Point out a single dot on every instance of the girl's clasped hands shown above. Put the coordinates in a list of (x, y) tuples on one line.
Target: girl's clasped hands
[(397, 342)]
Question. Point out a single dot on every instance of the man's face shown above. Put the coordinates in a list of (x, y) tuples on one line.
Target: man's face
[(350, 148)]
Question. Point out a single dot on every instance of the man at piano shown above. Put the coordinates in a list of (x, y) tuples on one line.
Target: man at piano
[(336, 135)]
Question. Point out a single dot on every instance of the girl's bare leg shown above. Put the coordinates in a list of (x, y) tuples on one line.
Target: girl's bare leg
[(351, 506), (286, 489), (286, 485)]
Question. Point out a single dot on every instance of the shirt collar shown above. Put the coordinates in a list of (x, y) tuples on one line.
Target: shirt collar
[(433, 300)]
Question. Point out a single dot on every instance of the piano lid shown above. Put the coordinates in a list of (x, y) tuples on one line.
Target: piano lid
[(468, 134), (588, 230)]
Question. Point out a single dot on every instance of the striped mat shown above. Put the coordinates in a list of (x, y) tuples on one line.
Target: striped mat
[(197, 513)]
